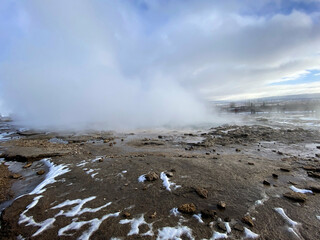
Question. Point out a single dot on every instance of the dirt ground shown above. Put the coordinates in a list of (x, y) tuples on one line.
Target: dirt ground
[(242, 177)]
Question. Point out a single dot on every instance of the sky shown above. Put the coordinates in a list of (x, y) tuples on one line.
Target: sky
[(159, 55)]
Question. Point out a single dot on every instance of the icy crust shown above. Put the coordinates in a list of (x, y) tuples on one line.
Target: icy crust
[(298, 190), (136, 223), (249, 234), (292, 224), (94, 226), (54, 171), (168, 233), (166, 182)]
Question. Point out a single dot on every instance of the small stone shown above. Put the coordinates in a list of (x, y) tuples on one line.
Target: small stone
[(27, 165), (202, 192), (189, 208), (293, 183), (110, 144), (153, 215), (275, 175), (280, 153), (122, 139), (207, 213), (152, 176), (222, 226), (16, 176), (317, 155), (265, 182), (100, 159), (207, 153), (160, 137), (41, 172), (238, 227), (222, 205), (169, 174), (298, 197), (248, 220), (250, 163), (126, 214), (227, 219), (238, 150), (314, 174), (285, 169), (106, 140)]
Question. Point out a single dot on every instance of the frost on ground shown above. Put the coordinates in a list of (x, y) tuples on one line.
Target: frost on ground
[(166, 182), (217, 235), (168, 233), (298, 190), (142, 178), (198, 217), (174, 212), (292, 224), (249, 234), (136, 223)]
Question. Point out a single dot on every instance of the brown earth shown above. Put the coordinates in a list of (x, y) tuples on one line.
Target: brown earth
[(217, 163)]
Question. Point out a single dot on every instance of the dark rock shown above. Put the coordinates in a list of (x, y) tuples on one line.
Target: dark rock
[(311, 168), (317, 155), (222, 226), (314, 174), (169, 174), (207, 213), (202, 192), (221, 205), (41, 172), (188, 208), (152, 176), (100, 159), (275, 175), (238, 227), (280, 153), (285, 169), (153, 215), (265, 182), (238, 150), (248, 220), (160, 137), (298, 197), (314, 187), (227, 219), (250, 163)]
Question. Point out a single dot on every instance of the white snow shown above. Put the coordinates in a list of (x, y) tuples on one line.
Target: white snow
[(217, 235), (168, 233), (174, 211), (97, 159), (135, 223), (89, 171), (228, 227), (142, 178), (285, 217), (298, 190), (95, 224), (77, 210), (54, 171), (166, 182), (44, 225), (198, 217), (249, 234), (82, 163), (318, 217), (124, 171), (93, 175)]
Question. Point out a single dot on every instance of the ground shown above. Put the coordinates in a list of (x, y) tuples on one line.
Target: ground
[(91, 188)]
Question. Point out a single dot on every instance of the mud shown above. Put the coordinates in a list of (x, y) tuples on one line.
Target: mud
[(104, 192)]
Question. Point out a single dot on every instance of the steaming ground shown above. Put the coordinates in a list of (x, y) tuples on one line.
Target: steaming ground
[(233, 181)]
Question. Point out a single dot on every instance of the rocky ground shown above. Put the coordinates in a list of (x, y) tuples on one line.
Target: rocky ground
[(234, 182)]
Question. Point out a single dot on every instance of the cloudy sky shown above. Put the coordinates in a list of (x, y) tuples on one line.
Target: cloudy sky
[(193, 50)]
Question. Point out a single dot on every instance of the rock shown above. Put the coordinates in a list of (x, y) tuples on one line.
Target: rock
[(293, 183), (280, 153), (314, 174), (227, 219), (250, 163), (160, 137), (41, 172), (100, 159), (152, 176), (318, 147), (238, 227), (221, 205), (275, 175), (207, 153), (106, 140), (126, 214), (169, 174), (238, 150), (16, 176), (315, 187), (265, 182), (189, 208), (153, 215), (298, 197), (222, 226), (27, 165), (311, 168), (317, 155), (285, 169), (248, 220), (207, 213), (110, 144), (202, 192)]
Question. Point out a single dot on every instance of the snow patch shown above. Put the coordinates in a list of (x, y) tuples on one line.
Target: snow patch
[(318, 217), (298, 190), (54, 171), (285, 217), (94, 226), (174, 211), (228, 227), (168, 233), (198, 217), (249, 234), (136, 223), (142, 178), (166, 182)]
